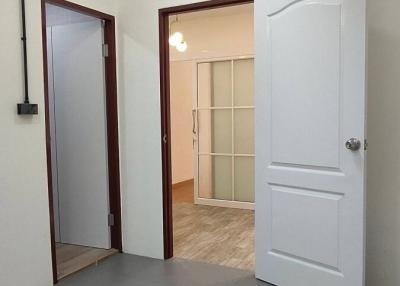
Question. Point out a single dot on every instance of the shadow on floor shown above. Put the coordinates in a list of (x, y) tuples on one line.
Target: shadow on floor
[(131, 270)]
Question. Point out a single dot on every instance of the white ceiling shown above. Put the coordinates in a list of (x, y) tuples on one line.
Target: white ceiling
[(59, 16), (218, 12)]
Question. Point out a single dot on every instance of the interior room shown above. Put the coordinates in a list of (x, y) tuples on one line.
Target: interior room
[(212, 134), (326, 162), (77, 109)]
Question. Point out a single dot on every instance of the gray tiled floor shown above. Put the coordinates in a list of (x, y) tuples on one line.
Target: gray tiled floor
[(130, 270)]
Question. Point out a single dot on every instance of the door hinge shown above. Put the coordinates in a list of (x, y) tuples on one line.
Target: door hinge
[(365, 145), (105, 50), (111, 220)]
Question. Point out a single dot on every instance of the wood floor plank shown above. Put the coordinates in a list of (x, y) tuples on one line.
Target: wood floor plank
[(183, 192), (216, 235), (66, 252), (73, 258)]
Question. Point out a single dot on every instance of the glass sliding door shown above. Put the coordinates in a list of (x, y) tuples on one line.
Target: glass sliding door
[(225, 133)]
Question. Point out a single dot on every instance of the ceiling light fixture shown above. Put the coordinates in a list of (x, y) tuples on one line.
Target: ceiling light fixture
[(176, 39), (181, 47)]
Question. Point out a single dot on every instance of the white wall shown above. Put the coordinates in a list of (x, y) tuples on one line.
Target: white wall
[(24, 220), (383, 208), (140, 139), (181, 104)]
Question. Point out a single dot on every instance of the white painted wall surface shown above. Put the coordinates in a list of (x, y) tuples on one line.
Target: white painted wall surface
[(140, 143), (383, 181), (181, 102), (24, 214)]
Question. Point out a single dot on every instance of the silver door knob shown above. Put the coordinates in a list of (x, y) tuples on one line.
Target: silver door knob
[(353, 144)]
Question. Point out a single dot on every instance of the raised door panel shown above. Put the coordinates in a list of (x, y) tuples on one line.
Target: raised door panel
[(305, 85)]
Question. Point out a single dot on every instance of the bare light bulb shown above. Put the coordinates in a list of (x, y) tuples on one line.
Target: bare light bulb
[(181, 47), (175, 39)]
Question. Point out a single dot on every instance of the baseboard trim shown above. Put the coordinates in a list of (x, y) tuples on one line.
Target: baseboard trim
[(224, 204), (183, 183)]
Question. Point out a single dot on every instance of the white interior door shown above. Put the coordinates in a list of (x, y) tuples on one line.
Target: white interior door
[(310, 99), (52, 132), (80, 133)]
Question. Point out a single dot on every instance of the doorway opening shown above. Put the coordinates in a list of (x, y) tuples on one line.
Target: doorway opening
[(82, 135), (207, 98)]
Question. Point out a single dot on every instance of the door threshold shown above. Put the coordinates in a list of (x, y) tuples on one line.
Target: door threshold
[(74, 258)]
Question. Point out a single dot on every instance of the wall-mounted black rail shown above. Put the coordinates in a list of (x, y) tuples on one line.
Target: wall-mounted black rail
[(25, 108)]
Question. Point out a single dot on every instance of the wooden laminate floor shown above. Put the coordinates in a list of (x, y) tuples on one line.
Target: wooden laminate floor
[(215, 235), (73, 258)]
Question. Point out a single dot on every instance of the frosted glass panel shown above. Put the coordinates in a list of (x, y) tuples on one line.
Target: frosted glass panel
[(244, 82), (222, 131), (215, 131), (222, 177), (244, 131), (244, 179), (221, 79), (204, 85), (215, 177), (205, 177)]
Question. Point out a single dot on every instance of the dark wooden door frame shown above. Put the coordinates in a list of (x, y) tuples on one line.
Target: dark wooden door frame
[(165, 107), (112, 122)]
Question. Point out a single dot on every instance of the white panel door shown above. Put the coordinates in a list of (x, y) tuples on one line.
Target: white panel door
[(310, 99), (53, 133), (79, 96)]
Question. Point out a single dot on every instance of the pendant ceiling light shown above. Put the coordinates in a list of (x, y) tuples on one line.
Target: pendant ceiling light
[(181, 47), (176, 38)]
